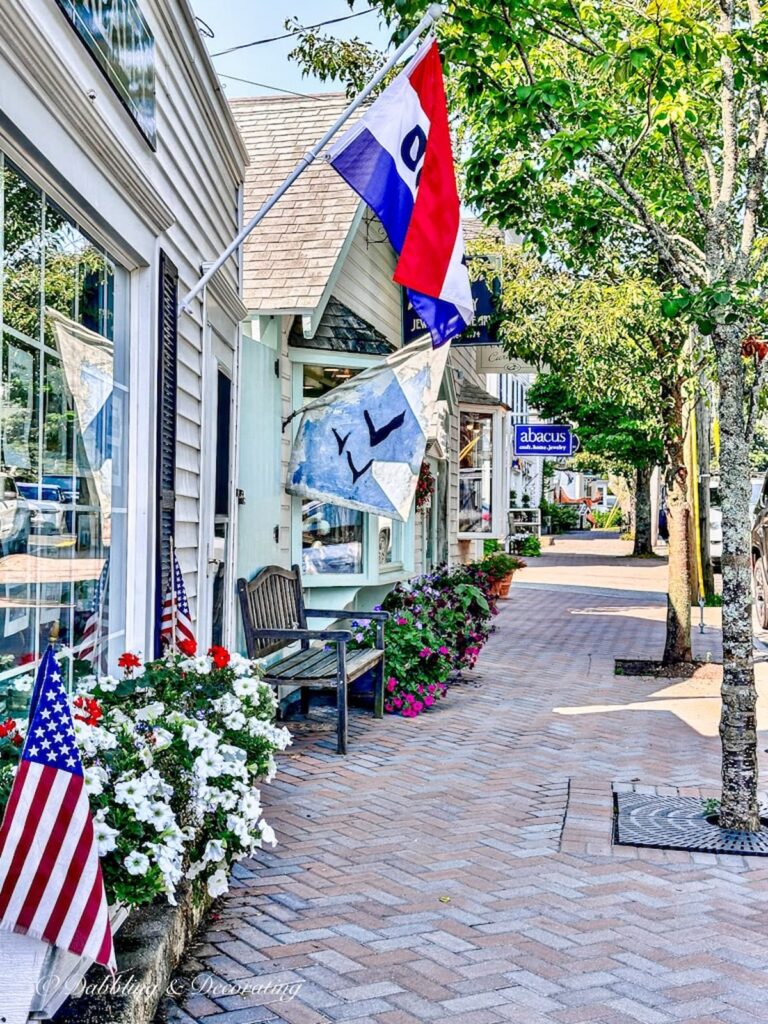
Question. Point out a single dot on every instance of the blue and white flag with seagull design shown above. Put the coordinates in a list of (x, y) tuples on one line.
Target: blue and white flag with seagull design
[(362, 444)]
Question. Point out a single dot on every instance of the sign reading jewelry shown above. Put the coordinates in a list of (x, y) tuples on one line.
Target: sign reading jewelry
[(544, 439), (119, 40)]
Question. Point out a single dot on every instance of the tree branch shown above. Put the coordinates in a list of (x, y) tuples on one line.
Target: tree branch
[(690, 184)]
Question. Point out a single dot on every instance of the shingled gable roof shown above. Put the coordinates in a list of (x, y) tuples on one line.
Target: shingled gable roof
[(289, 258)]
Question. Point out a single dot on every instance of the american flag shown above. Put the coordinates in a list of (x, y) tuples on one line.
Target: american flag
[(176, 600), (92, 643), (51, 886)]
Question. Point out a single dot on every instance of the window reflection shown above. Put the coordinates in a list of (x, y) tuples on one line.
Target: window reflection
[(62, 441), (475, 472), (331, 535)]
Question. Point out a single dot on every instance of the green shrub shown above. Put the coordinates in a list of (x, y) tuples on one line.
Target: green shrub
[(561, 517), (531, 547)]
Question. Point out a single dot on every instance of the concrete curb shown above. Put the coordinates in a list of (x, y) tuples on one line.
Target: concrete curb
[(149, 947)]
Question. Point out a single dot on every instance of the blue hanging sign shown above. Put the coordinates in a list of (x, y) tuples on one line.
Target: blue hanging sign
[(484, 328), (544, 439)]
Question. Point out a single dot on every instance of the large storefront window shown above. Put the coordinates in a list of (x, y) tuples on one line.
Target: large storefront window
[(62, 439), (331, 535), (476, 473)]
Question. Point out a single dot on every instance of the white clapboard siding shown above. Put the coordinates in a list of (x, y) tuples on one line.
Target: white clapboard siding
[(200, 179), (365, 284)]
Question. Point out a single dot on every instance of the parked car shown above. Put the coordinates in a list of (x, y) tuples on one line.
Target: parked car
[(47, 507), (83, 522), (14, 517), (760, 556)]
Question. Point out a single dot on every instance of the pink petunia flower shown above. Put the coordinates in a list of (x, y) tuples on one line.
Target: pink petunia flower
[(429, 701), (391, 683), (425, 652), (443, 650)]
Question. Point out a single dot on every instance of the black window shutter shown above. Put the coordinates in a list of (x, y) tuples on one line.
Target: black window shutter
[(166, 430)]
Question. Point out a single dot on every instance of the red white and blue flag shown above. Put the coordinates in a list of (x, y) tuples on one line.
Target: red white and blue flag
[(176, 621), (398, 158), (51, 886)]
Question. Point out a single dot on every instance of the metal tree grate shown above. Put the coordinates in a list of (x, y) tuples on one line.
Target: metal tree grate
[(679, 823)]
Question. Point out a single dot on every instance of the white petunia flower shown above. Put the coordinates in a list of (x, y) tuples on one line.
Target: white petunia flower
[(202, 665), (267, 833), (108, 684), (95, 780), (136, 863), (236, 721), (23, 684), (214, 851), (150, 712), (218, 883), (106, 836)]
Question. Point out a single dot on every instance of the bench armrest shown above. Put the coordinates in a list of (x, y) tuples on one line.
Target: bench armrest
[(338, 635), (319, 613)]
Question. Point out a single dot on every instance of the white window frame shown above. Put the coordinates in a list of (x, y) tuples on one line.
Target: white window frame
[(497, 466), (373, 573)]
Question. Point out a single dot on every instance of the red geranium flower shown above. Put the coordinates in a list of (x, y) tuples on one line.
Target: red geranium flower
[(128, 660), (92, 708), (7, 727), (220, 656), (188, 647)]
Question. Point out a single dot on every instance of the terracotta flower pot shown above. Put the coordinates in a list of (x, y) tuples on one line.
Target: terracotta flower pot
[(503, 585)]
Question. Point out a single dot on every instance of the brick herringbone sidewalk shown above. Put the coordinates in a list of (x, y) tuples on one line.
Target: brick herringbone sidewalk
[(459, 867)]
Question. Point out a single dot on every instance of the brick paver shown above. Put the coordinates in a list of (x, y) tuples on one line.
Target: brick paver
[(459, 867)]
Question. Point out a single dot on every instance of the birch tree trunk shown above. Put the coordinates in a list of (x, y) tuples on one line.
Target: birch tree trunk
[(738, 723), (643, 539), (677, 647)]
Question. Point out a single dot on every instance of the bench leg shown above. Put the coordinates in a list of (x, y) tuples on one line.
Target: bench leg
[(305, 695), (378, 691), (341, 708)]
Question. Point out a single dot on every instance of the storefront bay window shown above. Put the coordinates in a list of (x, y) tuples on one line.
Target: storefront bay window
[(336, 540), (63, 373), (476, 472)]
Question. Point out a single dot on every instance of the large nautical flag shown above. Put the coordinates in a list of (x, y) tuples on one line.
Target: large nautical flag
[(362, 444), (51, 887), (398, 158)]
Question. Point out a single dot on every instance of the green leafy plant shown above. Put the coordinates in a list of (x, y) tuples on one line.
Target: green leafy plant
[(531, 547), (499, 565)]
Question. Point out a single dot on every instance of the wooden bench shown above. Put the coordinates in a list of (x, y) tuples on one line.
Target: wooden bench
[(274, 618)]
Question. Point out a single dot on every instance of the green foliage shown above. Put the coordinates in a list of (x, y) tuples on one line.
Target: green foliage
[(530, 547), (606, 518), (439, 623), (489, 546), (498, 565), (561, 517)]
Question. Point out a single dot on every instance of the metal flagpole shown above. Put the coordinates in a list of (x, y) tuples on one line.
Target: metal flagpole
[(173, 593), (434, 13)]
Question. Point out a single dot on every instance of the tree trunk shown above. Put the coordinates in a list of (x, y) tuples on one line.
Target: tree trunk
[(738, 724), (643, 542), (677, 646)]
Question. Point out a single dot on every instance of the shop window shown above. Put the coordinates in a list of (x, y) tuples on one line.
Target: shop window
[(391, 537), (476, 473), (332, 536), (62, 439)]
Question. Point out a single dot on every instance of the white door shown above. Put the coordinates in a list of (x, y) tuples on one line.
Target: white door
[(217, 494)]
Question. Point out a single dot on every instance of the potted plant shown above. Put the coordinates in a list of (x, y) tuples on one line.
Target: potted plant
[(500, 568)]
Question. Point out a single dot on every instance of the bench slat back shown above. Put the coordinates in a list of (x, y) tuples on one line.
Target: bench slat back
[(271, 600)]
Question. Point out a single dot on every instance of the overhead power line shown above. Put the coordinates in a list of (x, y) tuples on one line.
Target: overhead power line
[(287, 35), (263, 85)]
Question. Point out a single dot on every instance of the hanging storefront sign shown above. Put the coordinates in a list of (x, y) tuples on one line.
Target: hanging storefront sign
[(544, 439), (493, 359), (482, 331), (119, 40)]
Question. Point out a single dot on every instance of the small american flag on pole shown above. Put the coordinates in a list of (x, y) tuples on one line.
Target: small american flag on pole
[(92, 644), (175, 623), (51, 886)]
